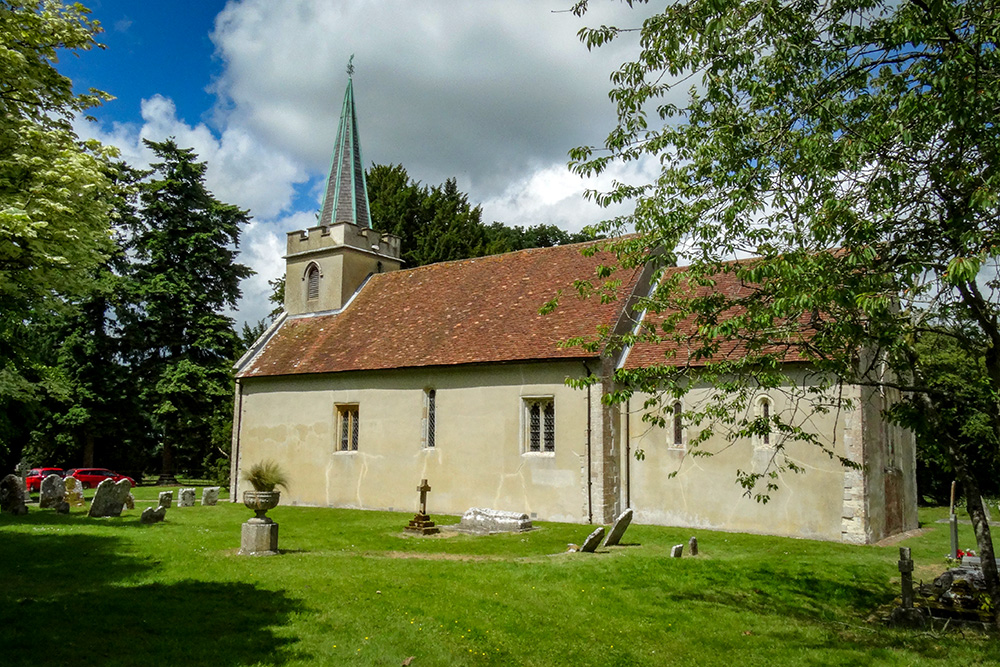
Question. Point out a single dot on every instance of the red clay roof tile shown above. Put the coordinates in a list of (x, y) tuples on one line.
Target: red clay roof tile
[(482, 310)]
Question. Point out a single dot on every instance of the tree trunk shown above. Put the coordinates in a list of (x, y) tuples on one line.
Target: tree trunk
[(981, 527), (88, 449)]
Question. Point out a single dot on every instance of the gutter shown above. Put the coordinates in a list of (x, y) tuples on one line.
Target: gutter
[(590, 481)]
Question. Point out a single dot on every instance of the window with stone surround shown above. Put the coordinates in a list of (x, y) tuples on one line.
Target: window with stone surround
[(347, 427), (678, 426), (430, 418), (539, 424), (764, 413), (312, 282)]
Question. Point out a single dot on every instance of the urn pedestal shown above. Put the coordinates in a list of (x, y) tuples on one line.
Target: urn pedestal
[(259, 536)]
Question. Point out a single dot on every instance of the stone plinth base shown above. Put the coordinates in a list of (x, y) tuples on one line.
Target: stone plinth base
[(421, 523), (259, 538)]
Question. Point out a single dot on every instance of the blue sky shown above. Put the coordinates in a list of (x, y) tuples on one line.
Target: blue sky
[(491, 93)]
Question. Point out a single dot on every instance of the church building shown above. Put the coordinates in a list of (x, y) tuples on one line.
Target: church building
[(378, 376)]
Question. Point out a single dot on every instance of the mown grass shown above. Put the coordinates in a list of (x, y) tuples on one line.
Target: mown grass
[(351, 588)]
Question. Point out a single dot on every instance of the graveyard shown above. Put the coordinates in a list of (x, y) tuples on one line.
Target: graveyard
[(355, 587)]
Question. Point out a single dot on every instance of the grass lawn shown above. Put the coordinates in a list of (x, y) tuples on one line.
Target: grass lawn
[(351, 588)]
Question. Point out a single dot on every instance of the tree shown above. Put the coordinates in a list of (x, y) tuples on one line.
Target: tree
[(437, 223), (184, 276), (54, 192), (851, 149)]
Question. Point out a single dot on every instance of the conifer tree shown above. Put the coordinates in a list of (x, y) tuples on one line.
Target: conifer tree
[(184, 279)]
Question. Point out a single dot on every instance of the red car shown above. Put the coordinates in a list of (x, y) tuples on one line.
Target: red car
[(36, 475), (91, 477)]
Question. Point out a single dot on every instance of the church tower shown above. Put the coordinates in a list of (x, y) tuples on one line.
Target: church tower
[(326, 264)]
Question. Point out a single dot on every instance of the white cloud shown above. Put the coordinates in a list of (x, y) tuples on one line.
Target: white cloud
[(494, 94)]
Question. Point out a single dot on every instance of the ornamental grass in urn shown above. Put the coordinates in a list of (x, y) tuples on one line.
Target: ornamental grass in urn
[(264, 476)]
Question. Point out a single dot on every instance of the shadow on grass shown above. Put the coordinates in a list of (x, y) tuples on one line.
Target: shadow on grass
[(66, 600)]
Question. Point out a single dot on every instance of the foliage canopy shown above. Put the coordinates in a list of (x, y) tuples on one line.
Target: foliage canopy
[(839, 159)]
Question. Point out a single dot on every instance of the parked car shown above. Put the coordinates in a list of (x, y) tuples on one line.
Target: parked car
[(36, 475), (90, 477)]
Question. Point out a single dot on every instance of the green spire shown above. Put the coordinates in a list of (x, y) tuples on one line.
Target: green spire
[(346, 197)]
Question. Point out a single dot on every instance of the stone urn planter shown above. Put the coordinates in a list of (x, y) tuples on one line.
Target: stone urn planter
[(260, 502)]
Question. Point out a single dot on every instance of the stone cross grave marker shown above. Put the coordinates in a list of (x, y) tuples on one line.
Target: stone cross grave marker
[(906, 577), (421, 523)]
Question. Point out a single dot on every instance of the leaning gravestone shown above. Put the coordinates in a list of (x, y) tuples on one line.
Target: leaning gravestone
[(149, 515), (12, 495), (210, 495), (590, 544), (109, 499), (618, 528), (74, 492), (185, 498), (166, 498), (52, 492), (677, 551), (481, 521)]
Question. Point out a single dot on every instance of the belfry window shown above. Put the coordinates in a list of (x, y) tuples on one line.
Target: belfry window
[(312, 282)]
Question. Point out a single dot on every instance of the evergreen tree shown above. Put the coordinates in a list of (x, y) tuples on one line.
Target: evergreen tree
[(183, 279)]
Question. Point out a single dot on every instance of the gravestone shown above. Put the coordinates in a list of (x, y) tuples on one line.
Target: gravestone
[(149, 515), (130, 501), (906, 615), (166, 498), (185, 498), (482, 521), (421, 522), (109, 499), (693, 546), (52, 492), (590, 544), (677, 551), (618, 528), (12, 495), (74, 492), (210, 495)]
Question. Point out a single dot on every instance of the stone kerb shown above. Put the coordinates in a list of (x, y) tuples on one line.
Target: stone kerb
[(74, 492), (109, 499), (12, 495), (52, 492), (210, 495), (185, 498), (482, 521), (619, 528)]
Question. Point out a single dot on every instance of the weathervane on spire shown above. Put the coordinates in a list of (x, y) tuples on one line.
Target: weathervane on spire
[(350, 66)]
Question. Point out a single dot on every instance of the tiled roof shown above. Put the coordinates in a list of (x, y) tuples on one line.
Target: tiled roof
[(682, 353), (482, 310)]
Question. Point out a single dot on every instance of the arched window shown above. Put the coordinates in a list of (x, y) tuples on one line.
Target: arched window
[(312, 282), (764, 412), (678, 425)]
